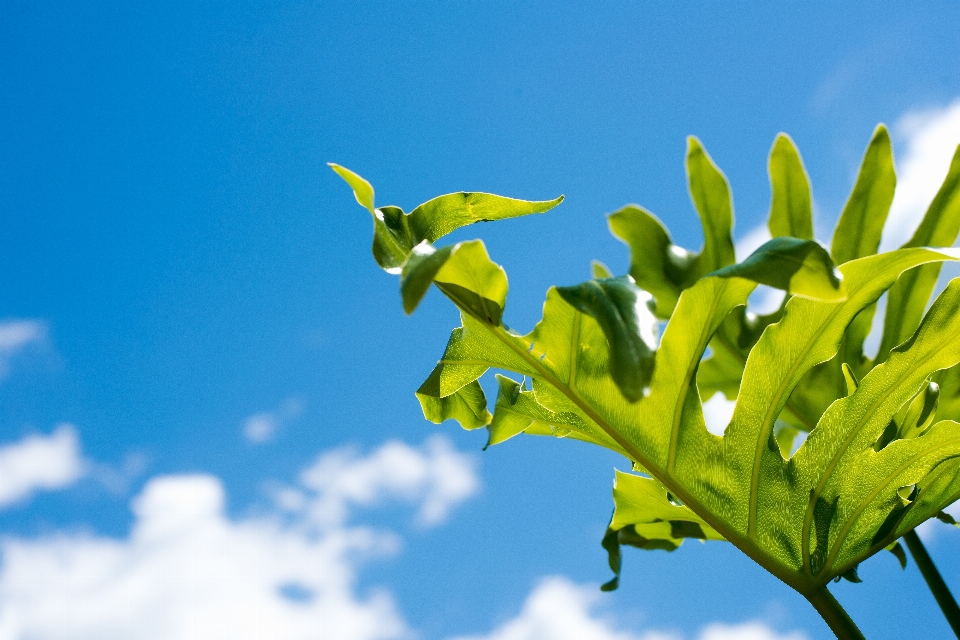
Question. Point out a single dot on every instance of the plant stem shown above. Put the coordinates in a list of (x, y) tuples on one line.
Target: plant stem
[(934, 580), (833, 614)]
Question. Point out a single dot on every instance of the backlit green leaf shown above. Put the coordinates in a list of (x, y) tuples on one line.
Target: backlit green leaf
[(879, 459), (860, 225), (418, 272), (656, 264), (396, 233), (467, 405), (436, 218), (791, 209), (362, 190), (663, 268), (517, 411), (710, 193)]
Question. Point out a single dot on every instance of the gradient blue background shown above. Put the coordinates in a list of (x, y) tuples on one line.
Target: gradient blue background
[(166, 208)]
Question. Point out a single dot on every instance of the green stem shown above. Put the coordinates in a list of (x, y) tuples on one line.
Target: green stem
[(833, 614), (934, 580)]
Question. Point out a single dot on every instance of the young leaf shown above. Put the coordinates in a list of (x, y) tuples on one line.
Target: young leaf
[(791, 209), (599, 270), (362, 190)]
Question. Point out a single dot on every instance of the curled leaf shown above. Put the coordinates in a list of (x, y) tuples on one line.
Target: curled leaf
[(800, 267), (624, 313)]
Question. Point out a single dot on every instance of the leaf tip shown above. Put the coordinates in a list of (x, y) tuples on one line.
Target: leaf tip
[(362, 190)]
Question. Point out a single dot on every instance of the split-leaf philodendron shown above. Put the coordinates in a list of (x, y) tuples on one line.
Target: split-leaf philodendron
[(882, 452)]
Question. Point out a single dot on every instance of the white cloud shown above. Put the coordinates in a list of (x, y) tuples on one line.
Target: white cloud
[(558, 609), (436, 476), (15, 336), (931, 138), (561, 610), (187, 571), (40, 463), (261, 427)]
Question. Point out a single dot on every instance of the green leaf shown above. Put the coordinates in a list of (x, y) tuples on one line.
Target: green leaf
[(841, 467), (738, 484), (710, 193), (908, 298), (395, 233), (474, 282), (920, 412), (897, 550), (624, 313), (663, 268), (517, 411), (646, 517), (436, 218), (641, 501), (860, 225), (362, 190), (807, 519), (419, 270), (467, 405), (949, 405), (946, 518), (849, 379), (791, 209), (656, 264), (599, 270), (800, 267)]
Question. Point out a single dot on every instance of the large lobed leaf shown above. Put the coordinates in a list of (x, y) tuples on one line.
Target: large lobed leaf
[(876, 463)]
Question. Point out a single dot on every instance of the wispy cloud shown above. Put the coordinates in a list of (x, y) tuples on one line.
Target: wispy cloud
[(261, 427), (435, 476), (40, 463), (15, 337)]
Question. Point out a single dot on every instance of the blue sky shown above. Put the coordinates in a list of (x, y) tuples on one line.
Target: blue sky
[(190, 316)]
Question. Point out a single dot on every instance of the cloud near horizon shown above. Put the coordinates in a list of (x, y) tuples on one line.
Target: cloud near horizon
[(559, 609), (187, 571)]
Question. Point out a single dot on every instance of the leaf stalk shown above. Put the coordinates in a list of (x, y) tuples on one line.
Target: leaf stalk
[(833, 614), (934, 580)]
